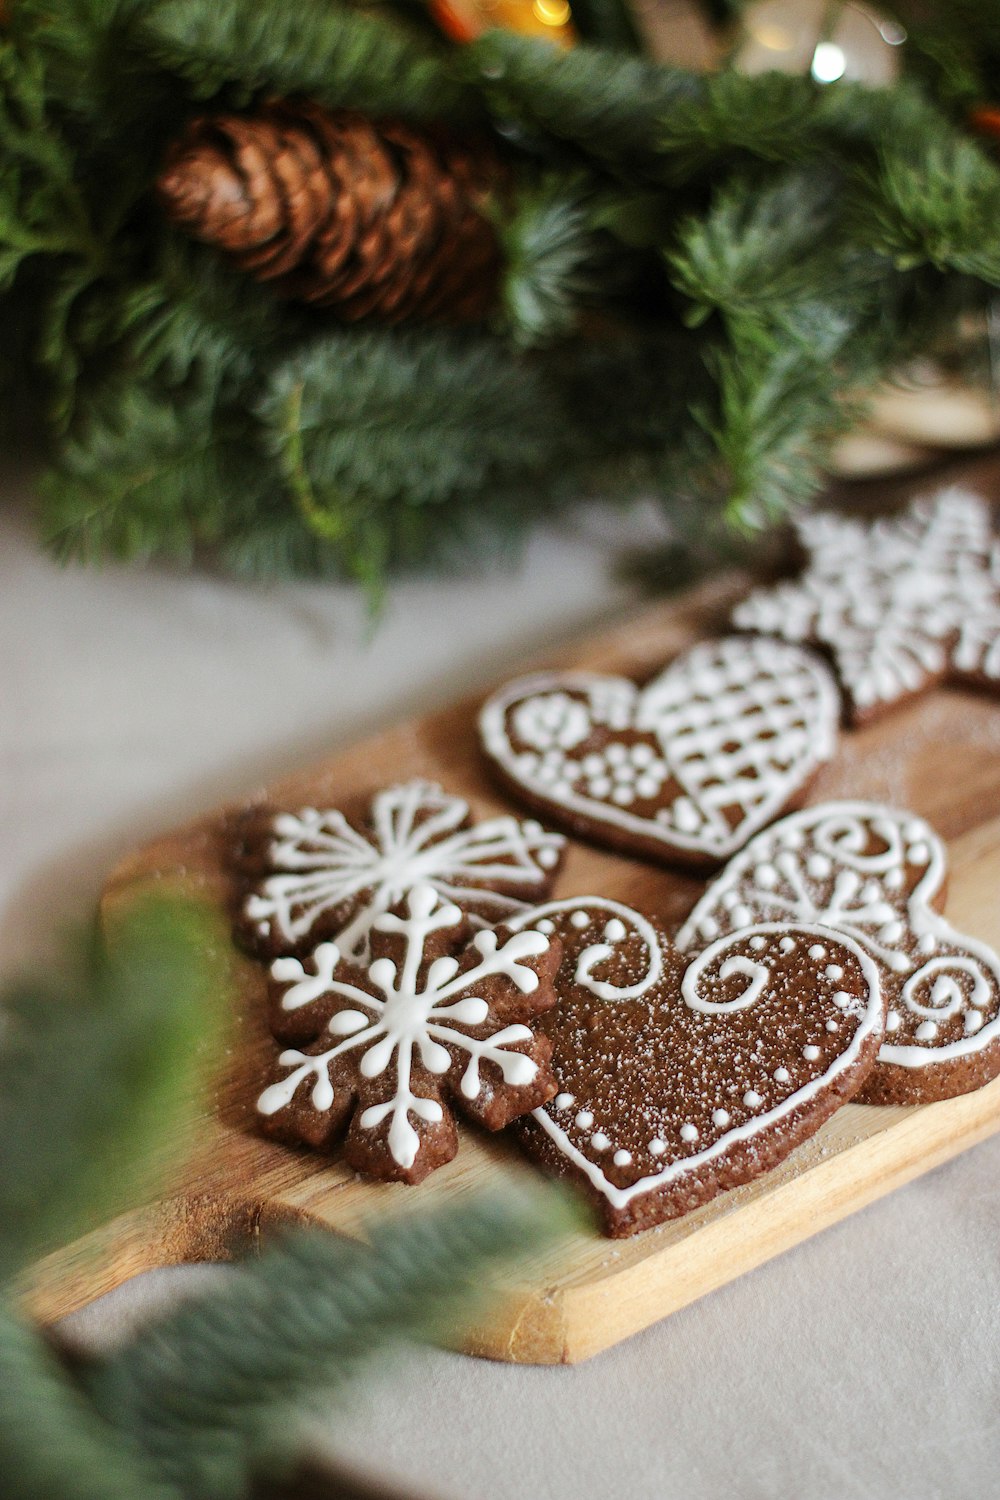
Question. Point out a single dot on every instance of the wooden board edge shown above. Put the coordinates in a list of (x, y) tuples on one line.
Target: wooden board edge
[(595, 1315), (174, 1231)]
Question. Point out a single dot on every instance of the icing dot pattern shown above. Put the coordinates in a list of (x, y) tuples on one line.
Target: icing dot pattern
[(898, 603), (874, 874), (748, 1039), (708, 751)]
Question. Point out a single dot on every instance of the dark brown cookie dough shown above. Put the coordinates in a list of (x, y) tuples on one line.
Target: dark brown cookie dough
[(681, 1077)]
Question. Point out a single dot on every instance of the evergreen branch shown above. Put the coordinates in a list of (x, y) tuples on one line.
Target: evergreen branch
[(370, 429), (192, 326), (97, 1070), (769, 116), (42, 211), (271, 542), (73, 44), (327, 523), (757, 251), (114, 112), (938, 207), (554, 259), (53, 1445), (149, 476), (954, 49), (212, 1390), (777, 411), (320, 49), (774, 262), (607, 105)]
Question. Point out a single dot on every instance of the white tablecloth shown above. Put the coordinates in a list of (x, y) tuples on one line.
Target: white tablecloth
[(866, 1363)]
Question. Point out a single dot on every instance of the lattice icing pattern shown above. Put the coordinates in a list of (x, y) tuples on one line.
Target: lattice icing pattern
[(689, 765), (426, 1023), (327, 877), (678, 1076), (899, 603), (875, 874)]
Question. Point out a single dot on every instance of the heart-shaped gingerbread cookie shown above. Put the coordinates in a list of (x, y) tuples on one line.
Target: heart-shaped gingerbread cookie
[(877, 875), (680, 1077), (685, 769)]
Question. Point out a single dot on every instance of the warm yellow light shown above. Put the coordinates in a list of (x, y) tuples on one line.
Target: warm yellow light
[(552, 12), (774, 38)]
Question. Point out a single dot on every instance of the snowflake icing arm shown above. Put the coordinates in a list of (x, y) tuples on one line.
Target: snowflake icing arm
[(314, 874), (976, 655), (787, 610), (425, 1025), (899, 603)]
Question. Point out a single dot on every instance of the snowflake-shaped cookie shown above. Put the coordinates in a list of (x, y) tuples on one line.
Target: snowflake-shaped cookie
[(899, 604), (425, 1023), (315, 874)]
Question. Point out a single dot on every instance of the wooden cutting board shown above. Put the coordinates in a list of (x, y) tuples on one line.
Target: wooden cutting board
[(939, 756)]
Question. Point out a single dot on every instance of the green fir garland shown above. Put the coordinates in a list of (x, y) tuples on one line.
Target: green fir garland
[(702, 277)]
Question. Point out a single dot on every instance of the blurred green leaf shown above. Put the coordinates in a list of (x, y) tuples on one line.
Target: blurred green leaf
[(99, 1069)]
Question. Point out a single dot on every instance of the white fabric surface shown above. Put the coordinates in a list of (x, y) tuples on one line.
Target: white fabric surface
[(866, 1363)]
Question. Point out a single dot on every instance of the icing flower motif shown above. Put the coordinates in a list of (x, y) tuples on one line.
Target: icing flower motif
[(552, 721), (426, 1023), (899, 604), (317, 875)]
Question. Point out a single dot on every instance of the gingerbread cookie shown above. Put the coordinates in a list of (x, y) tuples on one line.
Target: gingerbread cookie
[(898, 604), (315, 874), (680, 1077), (684, 769), (431, 1021), (878, 876)]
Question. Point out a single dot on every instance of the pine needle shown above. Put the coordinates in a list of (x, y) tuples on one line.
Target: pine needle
[(334, 54), (97, 1071), (216, 1390), (53, 1444)]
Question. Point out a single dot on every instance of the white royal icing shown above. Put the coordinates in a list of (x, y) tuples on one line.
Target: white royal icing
[(870, 1020), (858, 893), (405, 1016), (897, 601), (737, 724), (613, 931), (322, 861)]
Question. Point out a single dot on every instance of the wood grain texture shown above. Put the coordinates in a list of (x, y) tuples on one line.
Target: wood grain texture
[(939, 755)]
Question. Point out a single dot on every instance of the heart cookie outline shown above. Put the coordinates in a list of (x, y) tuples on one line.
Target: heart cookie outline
[(778, 725), (905, 1073), (684, 1182)]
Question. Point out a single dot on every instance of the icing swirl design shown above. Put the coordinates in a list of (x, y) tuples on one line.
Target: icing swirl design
[(874, 874), (679, 1077)]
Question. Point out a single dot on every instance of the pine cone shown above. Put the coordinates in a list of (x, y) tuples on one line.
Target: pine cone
[(374, 219)]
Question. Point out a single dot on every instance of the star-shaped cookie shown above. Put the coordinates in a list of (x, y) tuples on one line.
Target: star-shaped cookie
[(898, 604)]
